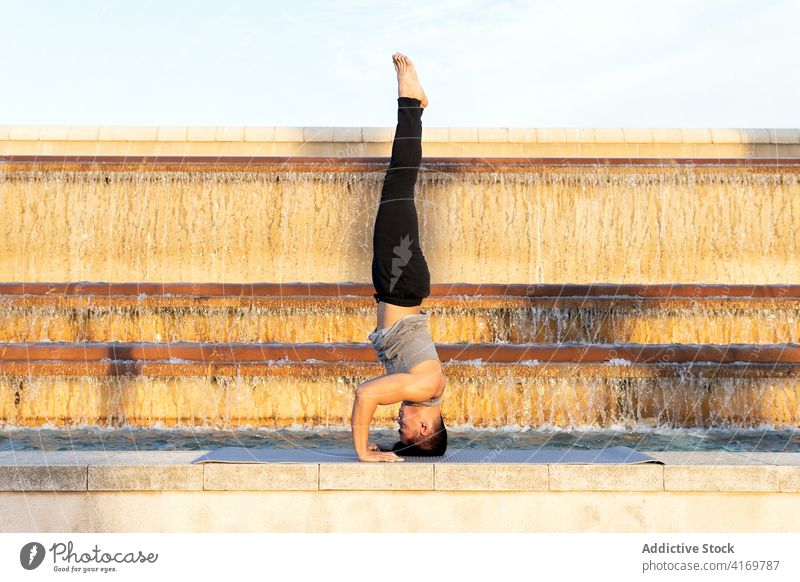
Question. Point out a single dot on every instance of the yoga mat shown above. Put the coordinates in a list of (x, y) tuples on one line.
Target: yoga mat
[(618, 454)]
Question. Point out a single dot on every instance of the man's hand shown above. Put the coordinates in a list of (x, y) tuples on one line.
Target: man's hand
[(374, 447), (373, 456)]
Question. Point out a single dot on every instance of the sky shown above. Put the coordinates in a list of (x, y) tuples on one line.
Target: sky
[(598, 63)]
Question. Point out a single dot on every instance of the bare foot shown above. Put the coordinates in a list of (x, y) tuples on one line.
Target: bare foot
[(407, 81)]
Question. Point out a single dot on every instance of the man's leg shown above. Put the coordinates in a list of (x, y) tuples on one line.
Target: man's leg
[(399, 270)]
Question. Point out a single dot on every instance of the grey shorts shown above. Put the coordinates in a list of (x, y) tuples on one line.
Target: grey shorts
[(405, 344)]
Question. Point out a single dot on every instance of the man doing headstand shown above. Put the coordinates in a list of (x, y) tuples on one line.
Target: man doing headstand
[(402, 339)]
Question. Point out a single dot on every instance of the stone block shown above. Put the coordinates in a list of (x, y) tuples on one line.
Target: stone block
[(261, 476), (60, 132), (667, 135), (637, 134), (544, 149), (579, 135), (489, 150), (789, 478), (609, 135), (464, 134), (493, 134), (754, 136), (378, 134), (522, 134), (259, 134), (199, 133), (606, 477), (149, 477), (42, 478), (126, 133), (347, 134), (491, 477), (398, 476), (293, 134), (605, 150), (696, 135), (24, 133), (435, 134), (315, 134), (551, 135), (172, 133), (788, 136), (721, 478), (230, 133), (725, 135)]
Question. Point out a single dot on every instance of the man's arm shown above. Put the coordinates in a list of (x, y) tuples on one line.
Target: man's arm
[(388, 389)]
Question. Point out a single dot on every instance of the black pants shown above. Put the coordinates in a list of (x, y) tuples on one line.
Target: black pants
[(399, 270)]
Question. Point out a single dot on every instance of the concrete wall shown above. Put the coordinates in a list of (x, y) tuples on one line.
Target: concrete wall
[(163, 491), (376, 141)]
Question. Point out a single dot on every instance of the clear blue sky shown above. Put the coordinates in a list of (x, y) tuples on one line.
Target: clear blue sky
[(592, 63)]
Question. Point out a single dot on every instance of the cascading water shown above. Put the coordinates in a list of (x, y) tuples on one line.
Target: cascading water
[(630, 224)]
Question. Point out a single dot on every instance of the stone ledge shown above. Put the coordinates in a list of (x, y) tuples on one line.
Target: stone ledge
[(789, 478), (376, 476), (260, 477), (464, 135), (163, 471), (150, 477), (43, 478), (645, 477), (398, 511), (721, 478), (491, 477), (447, 142), (484, 151)]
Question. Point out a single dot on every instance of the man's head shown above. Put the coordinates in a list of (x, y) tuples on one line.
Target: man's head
[(422, 431)]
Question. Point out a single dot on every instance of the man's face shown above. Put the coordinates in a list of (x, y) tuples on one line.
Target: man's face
[(408, 419)]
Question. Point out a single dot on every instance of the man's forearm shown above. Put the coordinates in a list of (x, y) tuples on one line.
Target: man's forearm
[(363, 411)]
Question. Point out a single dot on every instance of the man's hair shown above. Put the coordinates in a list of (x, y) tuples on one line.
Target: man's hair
[(433, 445)]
